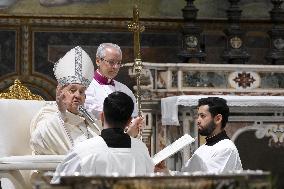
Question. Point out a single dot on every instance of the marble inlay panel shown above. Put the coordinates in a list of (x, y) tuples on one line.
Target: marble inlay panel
[(205, 79)]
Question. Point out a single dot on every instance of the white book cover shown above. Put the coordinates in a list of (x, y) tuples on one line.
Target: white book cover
[(172, 148)]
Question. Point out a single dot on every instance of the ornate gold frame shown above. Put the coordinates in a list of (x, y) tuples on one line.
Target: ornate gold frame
[(19, 91)]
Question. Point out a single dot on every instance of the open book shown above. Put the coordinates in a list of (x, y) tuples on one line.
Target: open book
[(172, 148)]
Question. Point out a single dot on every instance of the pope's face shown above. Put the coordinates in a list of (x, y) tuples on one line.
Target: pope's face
[(110, 64), (205, 121), (74, 96)]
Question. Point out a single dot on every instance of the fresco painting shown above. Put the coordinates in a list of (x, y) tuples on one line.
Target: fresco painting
[(6, 3), (252, 9)]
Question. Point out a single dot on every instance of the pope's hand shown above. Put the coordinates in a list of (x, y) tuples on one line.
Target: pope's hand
[(60, 96)]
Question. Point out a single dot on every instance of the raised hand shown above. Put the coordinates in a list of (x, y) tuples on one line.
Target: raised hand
[(60, 96)]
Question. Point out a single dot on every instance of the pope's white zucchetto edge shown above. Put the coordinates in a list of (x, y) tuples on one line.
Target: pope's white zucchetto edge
[(75, 66)]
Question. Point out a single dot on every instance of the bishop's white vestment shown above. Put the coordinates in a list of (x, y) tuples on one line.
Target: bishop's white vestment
[(218, 155), (107, 154), (97, 92), (53, 133)]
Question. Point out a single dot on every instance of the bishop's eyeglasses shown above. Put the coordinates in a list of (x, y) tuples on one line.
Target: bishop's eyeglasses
[(112, 63)]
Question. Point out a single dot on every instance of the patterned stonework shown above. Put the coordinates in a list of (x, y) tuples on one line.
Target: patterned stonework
[(244, 80)]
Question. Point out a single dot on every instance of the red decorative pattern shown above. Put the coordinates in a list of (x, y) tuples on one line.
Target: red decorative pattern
[(244, 80)]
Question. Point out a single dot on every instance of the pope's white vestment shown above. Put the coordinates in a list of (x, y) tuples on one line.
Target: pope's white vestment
[(53, 133), (96, 94), (221, 157), (94, 157)]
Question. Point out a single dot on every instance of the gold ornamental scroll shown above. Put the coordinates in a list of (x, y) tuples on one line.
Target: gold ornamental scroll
[(137, 28), (19, 91)]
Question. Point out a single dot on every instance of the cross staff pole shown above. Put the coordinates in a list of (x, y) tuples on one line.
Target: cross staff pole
[(136, 28)]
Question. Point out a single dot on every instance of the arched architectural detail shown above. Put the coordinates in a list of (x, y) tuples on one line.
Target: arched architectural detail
[(274, 131), (44, 87), (242, 130)]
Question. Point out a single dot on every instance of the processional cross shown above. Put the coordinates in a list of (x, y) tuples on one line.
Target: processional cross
[(137, 28)]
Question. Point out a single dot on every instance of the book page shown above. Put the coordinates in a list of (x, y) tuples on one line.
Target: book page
[(172, 148)]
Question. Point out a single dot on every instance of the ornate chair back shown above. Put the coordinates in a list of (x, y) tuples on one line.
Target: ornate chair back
[(17, 108)]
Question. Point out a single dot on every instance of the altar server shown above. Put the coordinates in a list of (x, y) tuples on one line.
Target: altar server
[(219, 154), (114, 152)]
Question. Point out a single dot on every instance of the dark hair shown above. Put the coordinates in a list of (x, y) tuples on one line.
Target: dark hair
[(216, 106), (118, 108)]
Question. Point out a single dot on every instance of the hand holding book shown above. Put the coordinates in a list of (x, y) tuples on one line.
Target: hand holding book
[(173, 148)]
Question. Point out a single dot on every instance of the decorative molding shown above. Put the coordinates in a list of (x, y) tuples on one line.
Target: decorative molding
[(99, 22), (46, 86), (167, 79), (14, 21), (213, 67), (275, 132), (25, 50), (67, 22), (90, 21)]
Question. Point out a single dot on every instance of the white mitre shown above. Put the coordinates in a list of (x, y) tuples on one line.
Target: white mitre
[(74, 67)]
